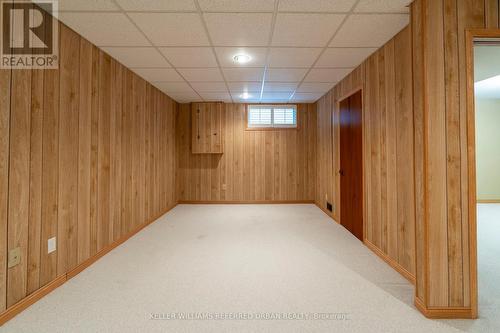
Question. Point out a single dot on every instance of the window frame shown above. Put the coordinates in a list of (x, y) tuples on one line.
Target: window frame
[(273, 127)]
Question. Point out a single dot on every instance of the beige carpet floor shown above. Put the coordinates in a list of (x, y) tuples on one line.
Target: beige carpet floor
[(237, 260)]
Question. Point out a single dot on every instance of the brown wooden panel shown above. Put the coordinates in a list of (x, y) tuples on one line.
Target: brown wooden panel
[(19, 175), (437, 163), (5, 81), (103, 155), (94, 147), (74, 151), (405, 156), (50, 174), (84, 150), (35, 209), (455, 276), (67, 241)]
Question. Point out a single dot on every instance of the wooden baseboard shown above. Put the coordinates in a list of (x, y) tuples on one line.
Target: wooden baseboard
[(444, 313), (17, 308), (244, 202), (394, 264), (489, 201)]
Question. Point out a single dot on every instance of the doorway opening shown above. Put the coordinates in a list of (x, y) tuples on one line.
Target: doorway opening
[(351, 163), (484, 165)]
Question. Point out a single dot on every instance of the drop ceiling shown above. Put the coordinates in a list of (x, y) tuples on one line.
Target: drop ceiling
[(299, 49)]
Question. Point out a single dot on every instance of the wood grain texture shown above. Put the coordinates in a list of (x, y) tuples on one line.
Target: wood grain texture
[(5, 82), (19, 176), (255, 166), (444, 263), (389, 189), (61, 163)]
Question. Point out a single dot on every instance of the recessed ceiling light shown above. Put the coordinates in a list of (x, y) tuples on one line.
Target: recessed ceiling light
[(245, 95), (242, 58)]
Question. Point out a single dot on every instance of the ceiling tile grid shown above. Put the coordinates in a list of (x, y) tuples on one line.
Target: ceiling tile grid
[(289, 50)]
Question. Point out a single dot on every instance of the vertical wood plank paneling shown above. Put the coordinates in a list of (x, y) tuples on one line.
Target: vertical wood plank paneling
[(453, 154), (5, 92), (94, 147), (67, 241), (382, 110), (391, 144), (386, 78), (255, 165), (19, 178), (437, 164), (492, 12), (417, 28), (103, 155), (35, 208), (405, 156), (62, 157), (84, 150), (50, 174)]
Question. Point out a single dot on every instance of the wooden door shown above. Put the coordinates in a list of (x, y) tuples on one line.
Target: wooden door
[(351, 164)]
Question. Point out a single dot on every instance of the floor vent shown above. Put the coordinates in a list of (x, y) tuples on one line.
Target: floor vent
[(329, 206)]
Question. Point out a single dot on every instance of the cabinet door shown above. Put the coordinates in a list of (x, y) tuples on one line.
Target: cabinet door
[(207, 128)]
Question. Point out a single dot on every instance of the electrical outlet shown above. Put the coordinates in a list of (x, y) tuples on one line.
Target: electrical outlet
[(14, 257), (51, 245)]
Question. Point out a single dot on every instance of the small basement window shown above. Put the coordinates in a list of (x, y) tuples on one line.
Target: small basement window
[(271, 116)]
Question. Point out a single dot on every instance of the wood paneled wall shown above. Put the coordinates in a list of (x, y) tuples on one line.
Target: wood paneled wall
[(445, 282), (87, 154), (389, 216), (271, 165)]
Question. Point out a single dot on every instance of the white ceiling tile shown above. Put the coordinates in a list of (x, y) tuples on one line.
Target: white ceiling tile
[(105, 29), (327, 74), (83, 5), (285, 74), (280, 86), (209, 86), (158, 74), (369, 30), (156, 5), (173, 87), (216, 96), (226, 55), (316, 5), (238, 87), (253, 97), (172, 29), (293, 57), (237, 29), (190, 56), (306, 97), (243, 74), (182, 97), (201, 74), (305, 29), (343, 57), (146, 57), (383, 6), (315, 87), (276, 96), (237, 6)]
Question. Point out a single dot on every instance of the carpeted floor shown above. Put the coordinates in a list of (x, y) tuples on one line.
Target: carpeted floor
[(237, 260)]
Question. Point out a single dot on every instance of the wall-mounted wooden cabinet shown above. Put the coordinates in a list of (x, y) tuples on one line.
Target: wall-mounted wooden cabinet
[(207, 136)]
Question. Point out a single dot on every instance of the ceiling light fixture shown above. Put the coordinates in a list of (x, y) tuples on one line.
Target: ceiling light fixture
[(242, 58), (245, 95)]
